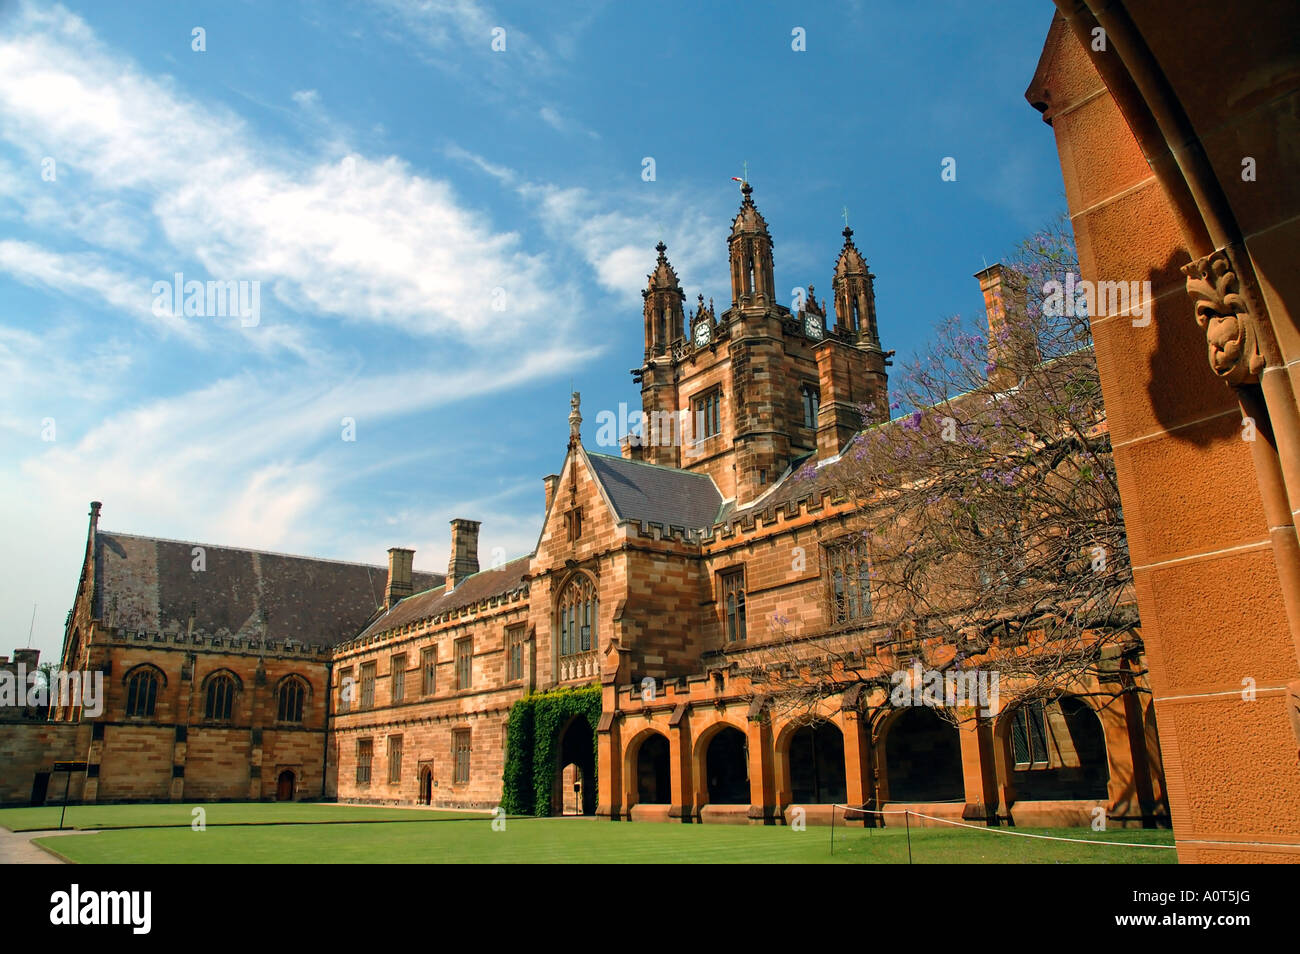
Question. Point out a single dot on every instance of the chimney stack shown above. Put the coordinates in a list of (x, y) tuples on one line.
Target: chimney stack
[(399, 575), (551, 482), (1010, 351), (464, 552)]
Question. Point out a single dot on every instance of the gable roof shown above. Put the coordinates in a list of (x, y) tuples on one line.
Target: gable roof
[(486, 584), (655, 494), (151, 584)]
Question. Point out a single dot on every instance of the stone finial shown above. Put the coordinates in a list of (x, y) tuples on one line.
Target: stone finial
[(575, 419)]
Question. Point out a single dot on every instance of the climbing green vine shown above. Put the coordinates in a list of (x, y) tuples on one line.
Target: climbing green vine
[(532, 745)]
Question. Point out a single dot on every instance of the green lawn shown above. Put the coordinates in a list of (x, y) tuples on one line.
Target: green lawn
[(218, 813), (270, 835)]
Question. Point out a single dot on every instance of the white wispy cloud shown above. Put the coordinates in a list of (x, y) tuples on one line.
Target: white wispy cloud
[(357, 238)]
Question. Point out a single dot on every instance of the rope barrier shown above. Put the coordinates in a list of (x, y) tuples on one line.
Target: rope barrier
[(984, 828)]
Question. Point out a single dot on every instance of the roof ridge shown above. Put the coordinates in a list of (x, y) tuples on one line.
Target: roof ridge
[(491, 569), (222, 546), (643, 463)]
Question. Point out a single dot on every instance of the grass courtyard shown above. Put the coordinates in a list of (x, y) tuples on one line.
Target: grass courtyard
[(258, 833)]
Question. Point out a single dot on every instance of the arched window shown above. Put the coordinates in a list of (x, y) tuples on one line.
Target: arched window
[(577, 616), (289, 699), (220, 699), (141, 692)]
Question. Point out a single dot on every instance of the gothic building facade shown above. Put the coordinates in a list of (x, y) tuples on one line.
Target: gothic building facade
[(657, 576)]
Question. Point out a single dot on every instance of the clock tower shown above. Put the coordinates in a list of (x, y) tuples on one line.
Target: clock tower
[(744, 395)]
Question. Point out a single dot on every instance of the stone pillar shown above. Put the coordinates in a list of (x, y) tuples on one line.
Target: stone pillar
[(1212, 555), (680, 764), (609, 766), (859, 784), (979, 770), (762, 772)]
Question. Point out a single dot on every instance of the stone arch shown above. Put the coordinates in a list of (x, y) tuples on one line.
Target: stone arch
[(286, 786), (922, 757), (1056, 750), (810, 757), (723, 772), (426, 785), (575, 775), (647, 766)]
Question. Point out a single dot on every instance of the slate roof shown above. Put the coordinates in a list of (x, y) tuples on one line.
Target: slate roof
[(149, 583), (498, 581), (655, 494)]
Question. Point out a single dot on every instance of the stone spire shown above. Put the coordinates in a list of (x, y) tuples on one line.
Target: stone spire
[(750, 248), (663, 307), (855, 296)]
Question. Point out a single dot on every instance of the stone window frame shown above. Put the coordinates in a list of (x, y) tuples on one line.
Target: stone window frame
[(288, 684), (345, 678), (394, 759), (837, 554), (212, 684), (573, 524), (132, 680), (464, 663), (462, 744), (516, 635), (586, 616), (367, 685), (365, 759), (429, 670), (731, 583), (397, 678), (1020, 723), (811, 390), (706, 410)]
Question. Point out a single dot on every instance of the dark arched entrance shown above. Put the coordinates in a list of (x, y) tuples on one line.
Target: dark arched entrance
[(817, 766), (575, 778), (284, 787), (726, 766), (652, 772), (426, 786), (1058, 751), (923, 758)]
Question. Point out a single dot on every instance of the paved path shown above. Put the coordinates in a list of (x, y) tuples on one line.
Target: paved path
[(16, 847)]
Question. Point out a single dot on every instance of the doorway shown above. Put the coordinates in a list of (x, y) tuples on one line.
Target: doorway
[(284, 787)]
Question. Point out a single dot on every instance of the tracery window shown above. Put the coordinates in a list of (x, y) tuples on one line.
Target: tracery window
[(220, 702), (850, 579), (577, 616), (141, 692), (289, 699)]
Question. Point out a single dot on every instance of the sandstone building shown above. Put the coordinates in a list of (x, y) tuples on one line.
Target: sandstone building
[(656, 576)]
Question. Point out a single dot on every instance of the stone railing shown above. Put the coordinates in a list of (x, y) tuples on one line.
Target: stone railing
[(579, 666)]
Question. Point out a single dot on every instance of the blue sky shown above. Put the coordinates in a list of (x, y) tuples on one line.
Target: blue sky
[(447, 238)]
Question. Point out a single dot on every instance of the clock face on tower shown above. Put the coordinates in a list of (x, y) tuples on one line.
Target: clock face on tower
[(702, 334), (812, 327)]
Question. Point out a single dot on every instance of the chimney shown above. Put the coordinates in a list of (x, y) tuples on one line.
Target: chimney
[(551, 482), (464, 552), (1011, 353), (399, 575)]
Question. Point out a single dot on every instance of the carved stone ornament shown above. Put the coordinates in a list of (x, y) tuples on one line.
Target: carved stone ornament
[(1223, 310)]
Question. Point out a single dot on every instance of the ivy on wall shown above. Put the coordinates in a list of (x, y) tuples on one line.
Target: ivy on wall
[(533, 745)]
